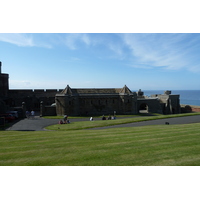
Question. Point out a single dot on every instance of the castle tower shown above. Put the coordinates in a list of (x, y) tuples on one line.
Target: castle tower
[(3, 83), (0, 67)]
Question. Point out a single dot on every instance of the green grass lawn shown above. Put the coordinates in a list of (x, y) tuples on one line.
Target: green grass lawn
[(86, 117), (102, 123), (137, 146), (125, 116)]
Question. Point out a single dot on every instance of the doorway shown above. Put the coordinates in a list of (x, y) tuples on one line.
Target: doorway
[(143, 108)]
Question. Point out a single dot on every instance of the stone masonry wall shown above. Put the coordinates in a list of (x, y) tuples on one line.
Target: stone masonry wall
[(95, 104), (32, 98)]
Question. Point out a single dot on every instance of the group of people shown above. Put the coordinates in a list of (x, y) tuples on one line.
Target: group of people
[(65, 120), (108, 118), (104, 118), (30, 115)]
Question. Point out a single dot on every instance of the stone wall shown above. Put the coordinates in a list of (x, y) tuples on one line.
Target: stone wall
[(96, 104), (4, 85), (2, 106), (152, 105), (32, 98), (48, 111), (171, 102)]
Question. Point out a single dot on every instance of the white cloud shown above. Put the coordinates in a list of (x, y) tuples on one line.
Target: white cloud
[(103, 42), (17, 39), (117, 49), (72, 40), (24, 40), (169, 51), (85, 38)]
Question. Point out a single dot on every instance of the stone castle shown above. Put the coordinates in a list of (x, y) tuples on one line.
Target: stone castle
[(82, 101)]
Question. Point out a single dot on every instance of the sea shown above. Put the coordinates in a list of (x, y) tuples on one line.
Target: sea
[(187, 97)]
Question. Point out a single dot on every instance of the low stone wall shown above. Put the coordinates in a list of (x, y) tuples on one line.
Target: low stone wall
[(48, 111)]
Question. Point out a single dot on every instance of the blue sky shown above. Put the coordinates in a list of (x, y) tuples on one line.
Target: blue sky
[(165, 61)]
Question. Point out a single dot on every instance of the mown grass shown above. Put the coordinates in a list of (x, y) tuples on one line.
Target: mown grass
[(136, 146), (124, 116), (101, 123), (86, 117)]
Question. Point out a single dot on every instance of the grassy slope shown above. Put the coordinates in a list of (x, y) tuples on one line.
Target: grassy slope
[(101, 123), (150, 145)]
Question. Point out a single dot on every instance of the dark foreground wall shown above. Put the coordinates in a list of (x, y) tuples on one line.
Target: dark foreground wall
[(2, 107)]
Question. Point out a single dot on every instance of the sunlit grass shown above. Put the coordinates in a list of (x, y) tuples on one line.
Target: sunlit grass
[(136, 146), (101, 123), (85, 117)]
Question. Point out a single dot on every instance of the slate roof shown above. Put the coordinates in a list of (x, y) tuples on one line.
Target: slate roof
[(70, 91)]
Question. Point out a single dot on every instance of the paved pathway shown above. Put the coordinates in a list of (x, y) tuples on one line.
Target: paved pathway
[(39, 124), (177, 120), (36, 124)]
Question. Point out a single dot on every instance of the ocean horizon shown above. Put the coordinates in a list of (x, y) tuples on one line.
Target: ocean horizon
[(188, 97)]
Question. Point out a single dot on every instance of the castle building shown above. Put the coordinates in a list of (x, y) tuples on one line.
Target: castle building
[(86, 101), (94, 101), (4, 87)]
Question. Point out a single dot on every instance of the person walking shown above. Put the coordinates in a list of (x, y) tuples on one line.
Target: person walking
[(32, 114), (27, 114)]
